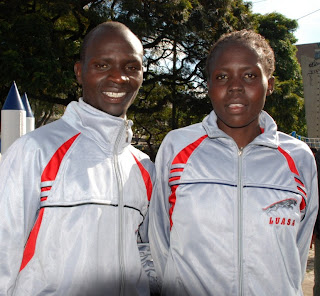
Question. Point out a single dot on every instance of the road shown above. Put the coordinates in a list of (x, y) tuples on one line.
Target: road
[(307, 285)]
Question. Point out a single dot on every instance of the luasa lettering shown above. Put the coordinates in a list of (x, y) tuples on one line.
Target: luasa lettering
[(284, 221)]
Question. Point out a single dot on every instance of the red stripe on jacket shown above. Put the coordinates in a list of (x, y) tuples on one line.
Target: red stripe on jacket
[(146, 177), (31, 243), (290, 161), (181, 157), (49, 174), (51, 170), (294, 170)]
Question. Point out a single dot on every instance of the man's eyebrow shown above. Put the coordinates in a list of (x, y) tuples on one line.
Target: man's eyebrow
[(108, 59)]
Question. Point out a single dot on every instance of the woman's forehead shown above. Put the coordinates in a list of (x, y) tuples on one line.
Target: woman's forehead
[(233, 51)]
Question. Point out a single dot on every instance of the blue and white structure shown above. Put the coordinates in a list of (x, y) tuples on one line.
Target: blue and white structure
[(29, 114), (13, 118)]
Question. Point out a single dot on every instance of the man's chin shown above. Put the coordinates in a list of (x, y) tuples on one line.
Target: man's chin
[(115, 112)]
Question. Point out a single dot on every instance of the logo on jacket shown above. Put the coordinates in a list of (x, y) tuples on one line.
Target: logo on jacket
[(286, 203)]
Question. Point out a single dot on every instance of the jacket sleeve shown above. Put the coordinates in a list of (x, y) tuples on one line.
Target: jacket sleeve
[(149, 180), (317, 225), (159, 226), (309, 174), (148, 173), (19, 201)]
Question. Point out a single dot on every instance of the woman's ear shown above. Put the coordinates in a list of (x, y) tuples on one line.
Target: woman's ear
[(77, 70), (270, 88)]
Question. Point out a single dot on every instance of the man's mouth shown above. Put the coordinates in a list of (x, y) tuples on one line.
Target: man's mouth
[(114, 94)]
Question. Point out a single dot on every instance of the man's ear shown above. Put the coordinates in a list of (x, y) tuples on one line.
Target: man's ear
[(78, 70), (208, 84), (270, 86)]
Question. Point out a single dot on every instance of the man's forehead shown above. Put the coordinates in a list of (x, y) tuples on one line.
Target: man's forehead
[(106, 36), (119, 33)]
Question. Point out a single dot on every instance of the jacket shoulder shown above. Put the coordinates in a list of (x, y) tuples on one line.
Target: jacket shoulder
[(293, 145), (143, 158), (184, 136), (43, 142), (53, 131), (180, 140), (299, 151)]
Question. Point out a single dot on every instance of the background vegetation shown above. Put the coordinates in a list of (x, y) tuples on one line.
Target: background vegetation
[(40, 39)]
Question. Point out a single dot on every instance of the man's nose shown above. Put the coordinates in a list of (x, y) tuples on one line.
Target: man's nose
[(118, 75)]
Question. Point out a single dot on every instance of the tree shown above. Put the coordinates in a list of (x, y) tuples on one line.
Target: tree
[(39, 45), (40, 42), (176, 45), (286, 104)]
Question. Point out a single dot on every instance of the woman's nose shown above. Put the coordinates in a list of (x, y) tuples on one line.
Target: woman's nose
[(235, 84)]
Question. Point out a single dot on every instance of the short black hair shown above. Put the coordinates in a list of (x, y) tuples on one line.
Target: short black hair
[(314, 150), (110, 25), (251, 39)]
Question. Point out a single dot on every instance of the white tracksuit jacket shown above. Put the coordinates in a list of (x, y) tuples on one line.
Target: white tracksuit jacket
[(225, 221), (73, 198)]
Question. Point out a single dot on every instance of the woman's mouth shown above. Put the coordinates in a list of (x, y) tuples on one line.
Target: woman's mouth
[(236, 107)]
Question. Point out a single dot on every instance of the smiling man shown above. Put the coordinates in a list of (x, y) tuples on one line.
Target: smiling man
[(74, 194), (110, 69)]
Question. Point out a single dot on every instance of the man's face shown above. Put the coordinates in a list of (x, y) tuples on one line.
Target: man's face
[(237, 87), (111, 73)]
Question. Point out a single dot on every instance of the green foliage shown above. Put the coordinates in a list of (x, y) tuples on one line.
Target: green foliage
[(177, 36), (279, 31), (39, 45), (40, 42), (286, 107), (286, 104)]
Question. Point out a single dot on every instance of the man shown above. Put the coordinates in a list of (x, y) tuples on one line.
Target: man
[(74, 194)]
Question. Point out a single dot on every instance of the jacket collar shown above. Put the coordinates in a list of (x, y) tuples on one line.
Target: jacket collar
[(109, 132), (269, 137)]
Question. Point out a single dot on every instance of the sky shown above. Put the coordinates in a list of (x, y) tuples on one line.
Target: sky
[(306, 12)]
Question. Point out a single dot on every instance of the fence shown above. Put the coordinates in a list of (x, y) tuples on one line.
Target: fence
[(312, 142)]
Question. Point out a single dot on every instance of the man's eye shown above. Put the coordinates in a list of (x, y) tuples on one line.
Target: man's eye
[(221, 77), (133, 68), (101, 66)]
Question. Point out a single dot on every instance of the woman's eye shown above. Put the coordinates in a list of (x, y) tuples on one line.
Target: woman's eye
[(250, 75)]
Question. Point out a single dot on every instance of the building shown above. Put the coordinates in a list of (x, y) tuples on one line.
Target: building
[(309, 58)]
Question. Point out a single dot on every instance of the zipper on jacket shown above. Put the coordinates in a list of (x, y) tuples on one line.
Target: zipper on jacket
[(120, 189), (240, 222)]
